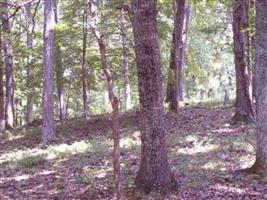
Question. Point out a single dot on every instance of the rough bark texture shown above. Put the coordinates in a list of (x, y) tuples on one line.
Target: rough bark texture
[(2, 96), (8, 57), (176, 59), (244, 111), (84, 71), (112, 98), (48, 129), (60, 76), (154, 173), (125, 45), (260, 165), (29, 67)]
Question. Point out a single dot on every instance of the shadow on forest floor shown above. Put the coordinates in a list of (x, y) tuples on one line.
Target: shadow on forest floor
[(204, 151)]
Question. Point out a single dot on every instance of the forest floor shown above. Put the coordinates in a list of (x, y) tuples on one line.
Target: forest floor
[(204, 152)]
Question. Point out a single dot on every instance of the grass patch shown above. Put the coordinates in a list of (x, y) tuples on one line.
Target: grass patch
[(30, 161)]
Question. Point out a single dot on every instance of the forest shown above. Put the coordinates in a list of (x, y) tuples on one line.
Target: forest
[(133, 99)]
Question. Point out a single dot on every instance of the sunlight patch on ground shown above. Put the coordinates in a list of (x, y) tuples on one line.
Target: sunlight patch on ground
[(198, 147), (89, 175), (32, 157), (16, 155), (212, 165), (229, 189), (129, 143), (65, 149), (246, 161)]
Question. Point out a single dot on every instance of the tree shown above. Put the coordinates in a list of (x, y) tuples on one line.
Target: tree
[(29, 65), (260, 165), (176, 58), (154, 172), (84, 64), (2, 96), (183, 51), (125, 48), (113, 99), (244, 111), (8, 57), (48, 129), (60, 75)]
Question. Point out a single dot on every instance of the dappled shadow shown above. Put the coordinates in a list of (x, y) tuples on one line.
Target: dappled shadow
[(204, 150)]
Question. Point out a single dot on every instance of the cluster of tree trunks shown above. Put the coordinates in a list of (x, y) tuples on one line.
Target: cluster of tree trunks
[(154, 173)]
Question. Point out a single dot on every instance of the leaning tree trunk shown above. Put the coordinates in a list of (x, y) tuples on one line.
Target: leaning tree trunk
[(8, 57), (29, 66), (48, 128), (154, 172), (244, 111), (2, 96), (125, 47), (176, 59), (260, 165), (112, 98), (84, 71)]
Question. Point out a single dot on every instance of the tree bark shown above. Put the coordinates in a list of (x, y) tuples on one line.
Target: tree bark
[(244, 111), (48, 128), (112, 98), (183, 51), (176, 58), (60, 84), (9, 108), (2, 96), (84, 71), (260, 165), (154, 172), (29, 66), (60, 76), (125, 46)]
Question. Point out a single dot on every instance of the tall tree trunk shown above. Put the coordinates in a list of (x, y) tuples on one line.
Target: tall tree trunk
[(244, 111), (112, 98), (125, 45), (252, 58), (183, 50), (176, 59), (60, 84), (9, 108), (60, 76), (84, 71), (48, 128), (154, 173), (2, 96), (29, 66), (260, 165)]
